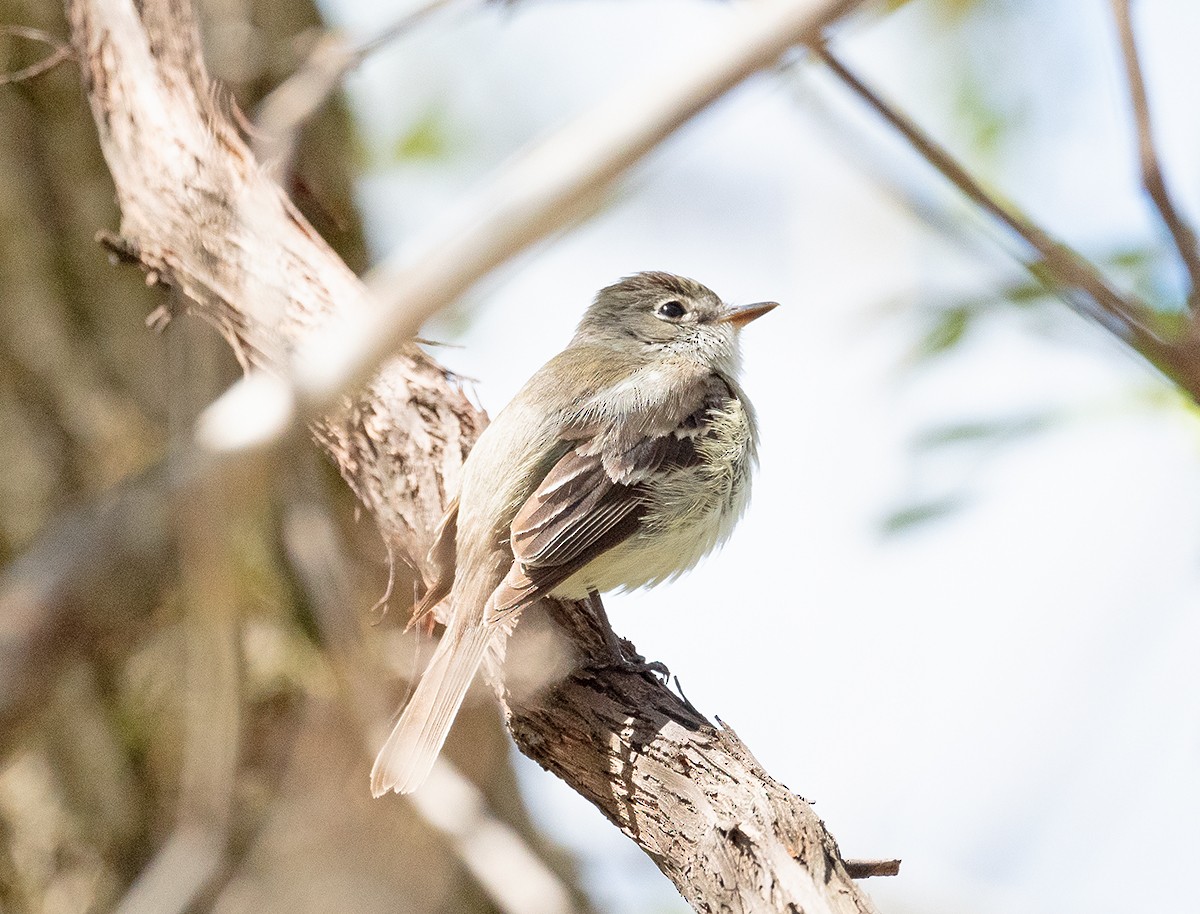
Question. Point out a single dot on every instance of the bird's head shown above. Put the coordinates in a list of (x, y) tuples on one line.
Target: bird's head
[(661, 313)]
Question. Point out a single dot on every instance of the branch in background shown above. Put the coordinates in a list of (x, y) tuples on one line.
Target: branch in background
[(198, 212), (516, 879), (541, 192), (196, 854), (87, 574), (61, 51), (1124, 315), (1151, 166), (281, 114)]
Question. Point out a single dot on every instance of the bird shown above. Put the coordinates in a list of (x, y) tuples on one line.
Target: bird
[(621, 462)]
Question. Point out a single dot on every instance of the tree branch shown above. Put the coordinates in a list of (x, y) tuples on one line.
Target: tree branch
[(282, 113), (60, 51), (1151, 167), (198, 213), (83, 579), (542, 191), (1121, 314)]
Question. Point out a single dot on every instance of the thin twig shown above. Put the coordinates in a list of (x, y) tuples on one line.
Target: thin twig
[(286, 109), (1120, 313), (863, 869), (62, 51), (1151, 166)]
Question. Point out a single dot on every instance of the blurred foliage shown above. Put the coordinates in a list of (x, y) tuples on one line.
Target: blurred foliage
[(427, 138), (983, 431), (985, 101), (905, 518), (943, 326), (948, 10)]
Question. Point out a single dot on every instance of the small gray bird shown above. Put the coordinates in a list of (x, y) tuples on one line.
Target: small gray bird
[(623, 461)]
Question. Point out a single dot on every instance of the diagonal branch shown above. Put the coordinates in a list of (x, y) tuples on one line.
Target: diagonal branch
[(283, 113), (61, 51), (199, 214), (544, 190), (1151, 166), (1122, 314)]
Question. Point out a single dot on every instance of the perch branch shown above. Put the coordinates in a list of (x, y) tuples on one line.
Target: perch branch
[(1151, 165), (201, 215)]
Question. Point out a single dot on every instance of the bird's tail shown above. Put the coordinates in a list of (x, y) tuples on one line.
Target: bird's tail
[(414, 743)]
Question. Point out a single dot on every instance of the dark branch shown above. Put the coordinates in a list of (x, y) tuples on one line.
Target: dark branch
[(1151, 167), (863, 869), (1122, 314)]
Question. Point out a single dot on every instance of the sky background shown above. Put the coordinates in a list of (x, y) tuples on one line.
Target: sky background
[(1005, 694)]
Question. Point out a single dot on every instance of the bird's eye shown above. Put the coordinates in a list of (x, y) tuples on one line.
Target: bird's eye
[(672, 310)]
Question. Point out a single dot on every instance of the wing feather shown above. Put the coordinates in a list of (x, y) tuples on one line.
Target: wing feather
[(592, 499)]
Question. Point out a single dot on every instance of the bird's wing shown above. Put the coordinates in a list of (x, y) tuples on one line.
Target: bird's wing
[(592, 499)]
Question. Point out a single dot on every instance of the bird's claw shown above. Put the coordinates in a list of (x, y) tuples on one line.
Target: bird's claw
[(626, 659)]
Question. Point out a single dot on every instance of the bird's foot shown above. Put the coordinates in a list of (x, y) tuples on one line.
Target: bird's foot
[(625, 658), (622, 655)]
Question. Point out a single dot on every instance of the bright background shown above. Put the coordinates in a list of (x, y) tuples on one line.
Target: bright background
[(960, 615)]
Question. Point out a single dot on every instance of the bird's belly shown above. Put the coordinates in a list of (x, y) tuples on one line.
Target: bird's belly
[(688, 515), (643, 561)]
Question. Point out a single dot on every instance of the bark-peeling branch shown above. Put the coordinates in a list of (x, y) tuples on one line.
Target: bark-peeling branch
[(199, 214)]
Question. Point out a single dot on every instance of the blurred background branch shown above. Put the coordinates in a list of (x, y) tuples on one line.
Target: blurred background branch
[(59, 51), (281, 115), (1151, 167), (546, 188), (1059, 266)]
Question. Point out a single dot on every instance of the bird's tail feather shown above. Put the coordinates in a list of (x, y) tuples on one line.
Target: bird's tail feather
[(414, 743)]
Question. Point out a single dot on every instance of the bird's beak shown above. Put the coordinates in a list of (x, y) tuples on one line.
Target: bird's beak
[(743, 315)]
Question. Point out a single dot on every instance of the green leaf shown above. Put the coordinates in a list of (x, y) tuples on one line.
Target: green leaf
[(427, 139), (983, 431), (946, 332), (905, 519), (1028, 293)]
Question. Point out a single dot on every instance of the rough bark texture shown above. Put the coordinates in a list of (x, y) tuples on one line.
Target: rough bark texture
[(198, 214), (94, 592)]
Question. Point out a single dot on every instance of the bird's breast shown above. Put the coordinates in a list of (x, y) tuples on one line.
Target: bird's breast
[(690, 510)]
